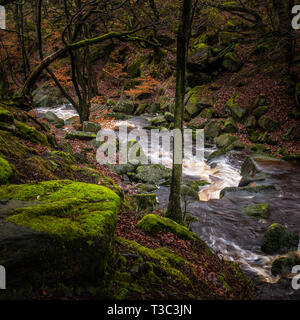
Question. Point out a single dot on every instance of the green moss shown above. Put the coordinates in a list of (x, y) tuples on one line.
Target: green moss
[(163, 259), (153, 224), (62, 154), (6, 116), (260, 210), (30, 133), (222, 278), (145, 201), (5, 171)]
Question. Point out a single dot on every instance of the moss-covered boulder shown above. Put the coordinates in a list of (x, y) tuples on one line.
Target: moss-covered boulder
[(67, 234), (267, 123), (152, 173), (260, 111), (169, 116), (5, 171), (212, 130), (233, 109), (285, 264), (260, 100), (6, 116), (30, 133), (88, 126), (231, 63), (259, 210), (225, 140), (207, 113), (80, 135), (230, 126), (251, 123), (54, 119), (279, 239), (153, 224), (145, 201)]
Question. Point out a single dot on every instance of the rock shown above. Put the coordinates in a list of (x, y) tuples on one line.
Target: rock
[(251, 123), (234, 110), (198, 78), (30, 133), (230, 126), (124, 168), (285, 264), (259, 101), (198, 59), (268, 124), (257, 189), (91, 127), (145, 201), (5, 171), (292, 157), (67, 236), (197, 123), (260, 210), (236, 145), (80, 135), (6, 116), (169, 116), (54, 119), (144, 187), (288, 134), (230, 62), (258, 148), (207, 113), (140, 109), (189, 193), (260, 111), (153, 173), (153, 224), (212, 130), (279, 239), (225, 140), (158, 121), (72, 121)]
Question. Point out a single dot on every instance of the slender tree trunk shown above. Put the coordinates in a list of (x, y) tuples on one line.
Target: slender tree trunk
[(174, 208)]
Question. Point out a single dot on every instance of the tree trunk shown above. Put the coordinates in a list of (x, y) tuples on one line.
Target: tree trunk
[(174, 208)]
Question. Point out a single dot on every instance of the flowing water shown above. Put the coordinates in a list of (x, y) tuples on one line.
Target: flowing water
[(221, 223)]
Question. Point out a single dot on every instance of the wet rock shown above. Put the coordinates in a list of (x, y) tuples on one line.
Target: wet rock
[(260, 210), (285, 264), (54, 119), (279, 239), (257, 189)]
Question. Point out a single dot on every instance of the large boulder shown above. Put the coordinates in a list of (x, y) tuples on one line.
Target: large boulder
[(212, 130), (64, 233), (198, 59), (279, 239), (225, 140), (285, 264), (152, 173), (153, 224), (54, 119), (146, 201), (230, 126)]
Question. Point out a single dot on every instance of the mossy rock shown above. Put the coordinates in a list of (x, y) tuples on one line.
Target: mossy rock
[(212, 130), (259, 101), (260, 210), (88, 126), (231, 63), (30, 133), (169, 116), (285, 264), (251, 123), (54, 119), (6, 116), (230, 126), (5, 171), (207, 113), (225, 140), (80, 135), (144, 187), (233, 109), (257, 189), (153, 173), (258, 148), (153, 224), (69, 235), (292, 157), (146, 201), (279, 239), (260, 111), (268, 124)]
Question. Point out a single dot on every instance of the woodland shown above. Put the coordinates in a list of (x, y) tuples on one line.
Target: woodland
[(224, 228)]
